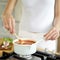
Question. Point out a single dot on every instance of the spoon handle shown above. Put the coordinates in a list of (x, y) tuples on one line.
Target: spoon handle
[(16, 35)]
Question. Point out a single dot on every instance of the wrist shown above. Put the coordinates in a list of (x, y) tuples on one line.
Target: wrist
[(6, 14), (56, 23), (57, 27)]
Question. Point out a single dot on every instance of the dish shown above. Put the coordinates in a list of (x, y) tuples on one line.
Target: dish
[(6, 46), (24, 48)]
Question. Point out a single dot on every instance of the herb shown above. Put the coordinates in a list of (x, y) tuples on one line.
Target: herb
[(10, 40)]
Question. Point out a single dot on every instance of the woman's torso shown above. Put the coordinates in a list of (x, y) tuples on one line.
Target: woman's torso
[(37, 15)]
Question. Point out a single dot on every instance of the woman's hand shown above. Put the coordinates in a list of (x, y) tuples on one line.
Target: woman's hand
[(9, 22), (53, 34)]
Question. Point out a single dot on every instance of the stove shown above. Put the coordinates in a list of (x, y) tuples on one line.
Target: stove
[(39, 55)]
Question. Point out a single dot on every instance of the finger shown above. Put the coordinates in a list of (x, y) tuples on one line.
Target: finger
[(5, 23), (49, 34), (10, 24), (55, 33), (49, 37), (13, 25), (55, 36), (51, 31)]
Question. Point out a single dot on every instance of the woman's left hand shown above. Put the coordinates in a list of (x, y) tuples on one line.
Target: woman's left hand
[(53, 34)]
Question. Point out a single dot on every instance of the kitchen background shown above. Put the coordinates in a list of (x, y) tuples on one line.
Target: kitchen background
[(17, 15)]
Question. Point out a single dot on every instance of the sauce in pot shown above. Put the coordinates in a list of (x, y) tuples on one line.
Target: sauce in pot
[(25, 42)]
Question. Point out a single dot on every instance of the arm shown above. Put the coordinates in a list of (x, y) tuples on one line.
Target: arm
[(10, 6), (8, 20), (53, 34), (57, 15)]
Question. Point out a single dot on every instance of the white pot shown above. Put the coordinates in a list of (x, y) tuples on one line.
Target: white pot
[(24, 49)]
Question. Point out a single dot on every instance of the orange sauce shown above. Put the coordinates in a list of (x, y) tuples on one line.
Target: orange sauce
[(25, 42)]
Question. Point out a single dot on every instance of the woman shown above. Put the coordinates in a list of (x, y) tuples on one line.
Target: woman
[(38, 16)]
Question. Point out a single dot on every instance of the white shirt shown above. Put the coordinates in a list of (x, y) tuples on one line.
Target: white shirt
[(37, 15)]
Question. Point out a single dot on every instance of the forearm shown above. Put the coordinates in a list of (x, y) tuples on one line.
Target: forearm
[(57, 23), (57, 8), (10, 6), (57, 15)]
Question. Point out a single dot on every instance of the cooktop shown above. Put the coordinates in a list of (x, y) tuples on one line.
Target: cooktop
[(39, 55)]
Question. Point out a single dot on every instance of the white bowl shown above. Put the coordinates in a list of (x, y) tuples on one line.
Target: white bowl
[(24, 49)]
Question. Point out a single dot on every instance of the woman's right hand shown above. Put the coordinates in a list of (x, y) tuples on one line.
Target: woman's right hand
[(9, 22)]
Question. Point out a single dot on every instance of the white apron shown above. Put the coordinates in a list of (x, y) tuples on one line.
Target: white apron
[(37, 16)]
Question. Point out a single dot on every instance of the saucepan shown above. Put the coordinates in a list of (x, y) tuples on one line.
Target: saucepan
[(25, 46)]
